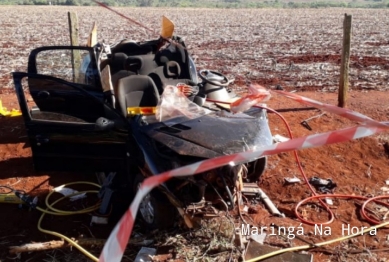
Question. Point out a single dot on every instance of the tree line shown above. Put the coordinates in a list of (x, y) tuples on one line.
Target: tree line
[(212, 3)]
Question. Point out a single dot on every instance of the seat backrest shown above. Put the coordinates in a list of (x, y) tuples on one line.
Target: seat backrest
[(137, 91), (148, 64), (116, 77), (133, 64), (126, 66), (162, 74), (176, 53)]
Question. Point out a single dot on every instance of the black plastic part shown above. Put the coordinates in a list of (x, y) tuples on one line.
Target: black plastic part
[(104, 124), (27, 200), (306, 125), (106, 193), (256, 169)]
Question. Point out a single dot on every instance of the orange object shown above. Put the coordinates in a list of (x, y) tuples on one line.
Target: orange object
[(186, 89), (141, 110)]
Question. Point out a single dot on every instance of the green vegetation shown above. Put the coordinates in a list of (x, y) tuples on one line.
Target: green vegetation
[(214, 3)]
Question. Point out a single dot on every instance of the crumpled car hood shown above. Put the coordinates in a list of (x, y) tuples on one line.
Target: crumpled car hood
[(222, 133)]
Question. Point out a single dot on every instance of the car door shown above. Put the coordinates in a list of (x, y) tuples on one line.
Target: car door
[(68, 123)]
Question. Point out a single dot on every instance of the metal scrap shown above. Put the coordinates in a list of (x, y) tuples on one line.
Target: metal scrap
[(323, 185), (292, 180), (305, 124)]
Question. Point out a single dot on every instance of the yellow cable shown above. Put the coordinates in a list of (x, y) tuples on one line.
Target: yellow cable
[(281, 251), (64, 212), (53, 211), (59, 212)]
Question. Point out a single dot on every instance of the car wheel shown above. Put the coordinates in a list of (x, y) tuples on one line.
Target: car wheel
[(256, 169), (155, 210)]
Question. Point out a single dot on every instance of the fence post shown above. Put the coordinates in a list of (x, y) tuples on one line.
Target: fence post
[(76, 56), (345, 61)]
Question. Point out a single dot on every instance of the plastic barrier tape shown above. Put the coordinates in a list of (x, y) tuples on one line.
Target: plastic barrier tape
[(114, 247), (347, 113)]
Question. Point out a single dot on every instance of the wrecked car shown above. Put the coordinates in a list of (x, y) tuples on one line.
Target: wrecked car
[(98, 109)]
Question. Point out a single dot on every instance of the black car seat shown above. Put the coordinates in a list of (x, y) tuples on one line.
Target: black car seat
[(167, 74), (131, 66), (176, 53), (148, 63), (116, 62), (137, 91), (134, 64)]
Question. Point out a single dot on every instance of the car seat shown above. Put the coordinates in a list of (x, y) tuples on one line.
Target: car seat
[(137, 91), (130, 66), (148, 64), (176, 53), (167, 74)]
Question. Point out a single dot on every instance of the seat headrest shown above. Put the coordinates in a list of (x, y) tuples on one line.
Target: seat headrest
[(117, 61), (172, 69), (171, 53), (133, 63), (162, 57)]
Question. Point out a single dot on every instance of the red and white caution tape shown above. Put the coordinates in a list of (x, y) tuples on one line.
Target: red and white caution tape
[(346, 113), (257, 94), (114, 247)]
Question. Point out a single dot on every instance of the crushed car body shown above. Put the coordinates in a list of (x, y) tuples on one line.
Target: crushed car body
[(107, 109)]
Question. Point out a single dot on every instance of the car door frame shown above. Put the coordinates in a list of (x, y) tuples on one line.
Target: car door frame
[(64, 146)]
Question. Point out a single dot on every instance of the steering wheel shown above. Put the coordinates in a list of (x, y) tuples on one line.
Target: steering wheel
[(203, 73)]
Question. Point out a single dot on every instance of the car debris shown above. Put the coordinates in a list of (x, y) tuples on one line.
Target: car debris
[(253, 190), (292, 180), (329, 201), (279, 139), (323, 185), (259, 238), (270, 205), (145, 254), (65, 191), (305, 124)]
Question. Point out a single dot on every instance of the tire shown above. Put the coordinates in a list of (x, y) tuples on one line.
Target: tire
[(155, 211), (256, 169)]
